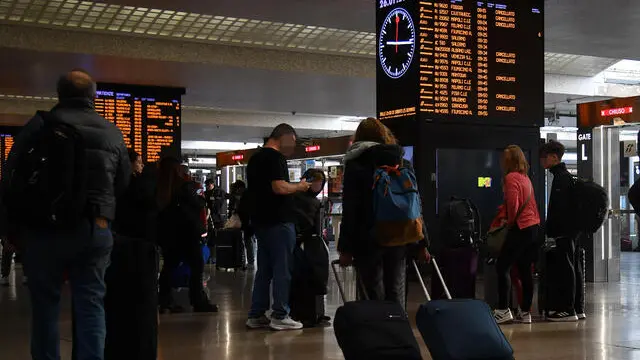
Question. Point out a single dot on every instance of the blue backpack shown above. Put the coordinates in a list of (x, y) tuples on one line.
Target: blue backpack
[(397, 211)]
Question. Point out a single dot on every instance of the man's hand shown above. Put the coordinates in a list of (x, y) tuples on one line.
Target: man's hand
[(346, 260), (303, 185)]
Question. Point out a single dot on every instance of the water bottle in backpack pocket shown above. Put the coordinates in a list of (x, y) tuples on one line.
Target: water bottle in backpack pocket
[(397, 210)]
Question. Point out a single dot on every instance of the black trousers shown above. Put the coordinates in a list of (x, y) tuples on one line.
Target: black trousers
[(131, 302), (570, 275), (189, 251), (383, 273), (518, 250), (7, 257)]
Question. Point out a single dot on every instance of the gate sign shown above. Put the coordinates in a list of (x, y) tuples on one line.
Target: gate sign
[(630, 149)]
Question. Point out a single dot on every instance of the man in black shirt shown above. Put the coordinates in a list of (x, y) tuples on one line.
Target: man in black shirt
[(560, 225), (272, 217)]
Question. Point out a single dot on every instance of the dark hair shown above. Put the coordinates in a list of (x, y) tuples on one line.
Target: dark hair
[(77, 83), (373, 130), (282, 130), (169, 181), (237, 186), (208, 182), (133, 155), (552, 148)]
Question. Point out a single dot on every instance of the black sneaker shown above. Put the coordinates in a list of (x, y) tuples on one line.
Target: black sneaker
[(562, 316)]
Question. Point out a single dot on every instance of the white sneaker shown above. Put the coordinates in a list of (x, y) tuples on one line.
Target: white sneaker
[(258, 323), (503, 316), (582, 316), (4, 281), (285, 324), (523, 317)]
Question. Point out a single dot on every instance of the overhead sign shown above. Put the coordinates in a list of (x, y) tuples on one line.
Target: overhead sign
[(238, 157), (313, 148), (617, 111)]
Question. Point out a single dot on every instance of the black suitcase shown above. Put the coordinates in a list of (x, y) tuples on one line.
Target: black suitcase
[(547, 285), (229, 249), (309, 280), (373, 329)]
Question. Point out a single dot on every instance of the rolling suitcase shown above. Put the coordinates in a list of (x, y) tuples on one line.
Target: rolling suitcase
[(309, 281), (373, 329), (229, 249), (460, 329)]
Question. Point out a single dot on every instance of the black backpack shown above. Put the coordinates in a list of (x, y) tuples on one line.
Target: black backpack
[(460, 223), (591, 205), (48, 184)]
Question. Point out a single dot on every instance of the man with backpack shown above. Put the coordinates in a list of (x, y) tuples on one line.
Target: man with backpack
[(561, 225), (65, 171)]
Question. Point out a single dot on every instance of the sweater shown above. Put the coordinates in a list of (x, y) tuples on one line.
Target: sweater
[(517, 189)]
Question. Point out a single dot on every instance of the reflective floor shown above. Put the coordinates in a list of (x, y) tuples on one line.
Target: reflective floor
[(612, 330)]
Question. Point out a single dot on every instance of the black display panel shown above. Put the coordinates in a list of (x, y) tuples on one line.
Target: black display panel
[(461, 61), (149, 117), (6, 143)]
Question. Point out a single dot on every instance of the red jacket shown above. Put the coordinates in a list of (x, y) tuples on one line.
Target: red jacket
[(517, 188)]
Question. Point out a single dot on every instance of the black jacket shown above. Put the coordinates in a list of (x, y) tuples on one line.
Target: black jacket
[(561, 212), (137, 211), (308, 209), (109, 167), (182, 220), (361, 161)]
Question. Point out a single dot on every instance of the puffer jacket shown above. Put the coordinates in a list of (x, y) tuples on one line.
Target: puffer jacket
[(109, 168)]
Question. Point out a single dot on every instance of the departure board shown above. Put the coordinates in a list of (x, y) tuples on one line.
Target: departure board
[(149, 117), (461, 61)]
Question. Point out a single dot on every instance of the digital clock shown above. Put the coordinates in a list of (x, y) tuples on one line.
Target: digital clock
[(397, 43)]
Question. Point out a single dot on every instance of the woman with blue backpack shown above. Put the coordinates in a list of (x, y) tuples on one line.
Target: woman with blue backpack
[(381, 213)]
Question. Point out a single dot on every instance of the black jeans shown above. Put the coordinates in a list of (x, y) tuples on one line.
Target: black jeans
[(383, 273), (190, 251), (518, 250), (7, 257), (569, 272), (131, 303)]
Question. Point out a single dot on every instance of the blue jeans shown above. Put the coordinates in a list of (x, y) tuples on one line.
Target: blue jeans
[(84, 252), (275, 262)]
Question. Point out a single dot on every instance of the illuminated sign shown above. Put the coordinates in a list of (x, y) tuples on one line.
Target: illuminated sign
[(484, 182), (617, 111), (313, 148), (149, 117), (238, 157)]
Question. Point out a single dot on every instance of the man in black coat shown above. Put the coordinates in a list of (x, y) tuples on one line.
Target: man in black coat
[(84, 248), (561, 225)]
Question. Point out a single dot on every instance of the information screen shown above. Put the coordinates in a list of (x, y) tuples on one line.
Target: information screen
[(149, 117), (461, 61)]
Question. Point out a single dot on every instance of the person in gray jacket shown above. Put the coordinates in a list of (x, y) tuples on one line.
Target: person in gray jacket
[(83, 248)]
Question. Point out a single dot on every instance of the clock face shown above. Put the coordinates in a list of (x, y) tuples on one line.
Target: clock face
[(397, 43)]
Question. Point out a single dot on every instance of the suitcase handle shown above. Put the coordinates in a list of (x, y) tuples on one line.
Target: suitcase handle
[(424, 287), (334, 265)]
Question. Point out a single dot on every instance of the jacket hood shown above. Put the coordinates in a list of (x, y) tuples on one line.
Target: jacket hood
[(560, 168), (312, 173), (380, 155), (357, 148)]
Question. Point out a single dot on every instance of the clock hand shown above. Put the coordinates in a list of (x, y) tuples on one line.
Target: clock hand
[(397, 22)]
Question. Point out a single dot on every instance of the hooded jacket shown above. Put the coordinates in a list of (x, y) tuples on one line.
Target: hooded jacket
[(307, 207), (361, 161)]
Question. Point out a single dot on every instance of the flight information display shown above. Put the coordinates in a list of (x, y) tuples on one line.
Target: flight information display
[(6, 142), (461, 61), (149, 117)]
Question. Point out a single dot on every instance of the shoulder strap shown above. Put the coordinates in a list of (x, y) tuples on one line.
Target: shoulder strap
[(524, 205)]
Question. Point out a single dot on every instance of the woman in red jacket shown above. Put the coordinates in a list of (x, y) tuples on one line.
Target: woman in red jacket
[(519, 248)]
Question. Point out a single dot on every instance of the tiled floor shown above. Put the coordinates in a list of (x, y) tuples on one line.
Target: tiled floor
[(612, 330)]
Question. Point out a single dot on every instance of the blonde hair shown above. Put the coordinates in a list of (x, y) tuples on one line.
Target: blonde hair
[(513, 160)]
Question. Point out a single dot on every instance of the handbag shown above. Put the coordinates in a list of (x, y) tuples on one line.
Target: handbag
[(498, 236)]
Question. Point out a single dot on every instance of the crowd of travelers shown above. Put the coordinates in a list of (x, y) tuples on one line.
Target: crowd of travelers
[(101, 219)]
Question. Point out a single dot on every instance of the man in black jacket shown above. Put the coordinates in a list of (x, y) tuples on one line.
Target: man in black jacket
[(560, 225), (83, 249)]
